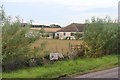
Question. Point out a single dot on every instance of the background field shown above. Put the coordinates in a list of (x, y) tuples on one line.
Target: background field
[(55, 45)]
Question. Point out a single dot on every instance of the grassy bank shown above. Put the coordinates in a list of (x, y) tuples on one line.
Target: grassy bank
[(65, 67)]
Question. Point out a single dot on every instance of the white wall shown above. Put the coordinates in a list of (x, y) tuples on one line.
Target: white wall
[(62, 36)]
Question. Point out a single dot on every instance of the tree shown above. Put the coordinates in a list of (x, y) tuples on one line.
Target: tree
[(101, 37), (2, 20), (2, 15), (55, 26), (15, 46)]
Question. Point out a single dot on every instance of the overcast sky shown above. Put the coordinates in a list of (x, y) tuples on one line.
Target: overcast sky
[(62, 12)]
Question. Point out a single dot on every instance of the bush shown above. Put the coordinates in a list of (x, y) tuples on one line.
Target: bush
[(78, 35), (15, 46), (101, 37)]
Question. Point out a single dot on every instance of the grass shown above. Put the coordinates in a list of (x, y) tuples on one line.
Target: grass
[(68, 67), (61, 46)]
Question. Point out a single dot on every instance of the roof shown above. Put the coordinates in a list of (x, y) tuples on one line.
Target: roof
[(47, 29), (74, 27)]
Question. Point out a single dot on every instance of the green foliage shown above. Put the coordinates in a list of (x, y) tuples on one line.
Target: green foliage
[(39, 51), (101, 37), (15, 46), (77, 35), (2, 19), (65, 68), (16, 42), (2, 15)]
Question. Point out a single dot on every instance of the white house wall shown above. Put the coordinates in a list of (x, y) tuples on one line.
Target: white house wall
[(62, 36), (67, 34)]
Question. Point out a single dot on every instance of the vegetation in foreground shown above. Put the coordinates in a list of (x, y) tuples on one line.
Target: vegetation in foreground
[(17, 53), (65, 68), (101, 37)]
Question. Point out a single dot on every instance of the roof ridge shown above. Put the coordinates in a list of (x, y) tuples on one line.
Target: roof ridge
[(73, 27)]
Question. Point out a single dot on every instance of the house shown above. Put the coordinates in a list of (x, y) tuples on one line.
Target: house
[(69, 31), (49, 32)]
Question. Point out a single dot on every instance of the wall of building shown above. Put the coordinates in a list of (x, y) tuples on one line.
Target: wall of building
[(64, 35)]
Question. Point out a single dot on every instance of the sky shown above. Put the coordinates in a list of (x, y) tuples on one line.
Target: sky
[(61, 12)]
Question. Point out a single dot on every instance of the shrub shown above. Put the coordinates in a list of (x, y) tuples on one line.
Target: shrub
[(78, 35), (15, 46), (101, 37)]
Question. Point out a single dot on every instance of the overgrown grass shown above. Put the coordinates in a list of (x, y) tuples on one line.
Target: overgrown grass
[(65, 67), (61, 46)]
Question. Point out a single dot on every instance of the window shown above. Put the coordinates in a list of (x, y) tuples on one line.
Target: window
[(72, 34), (64, 34), (57, 34)]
